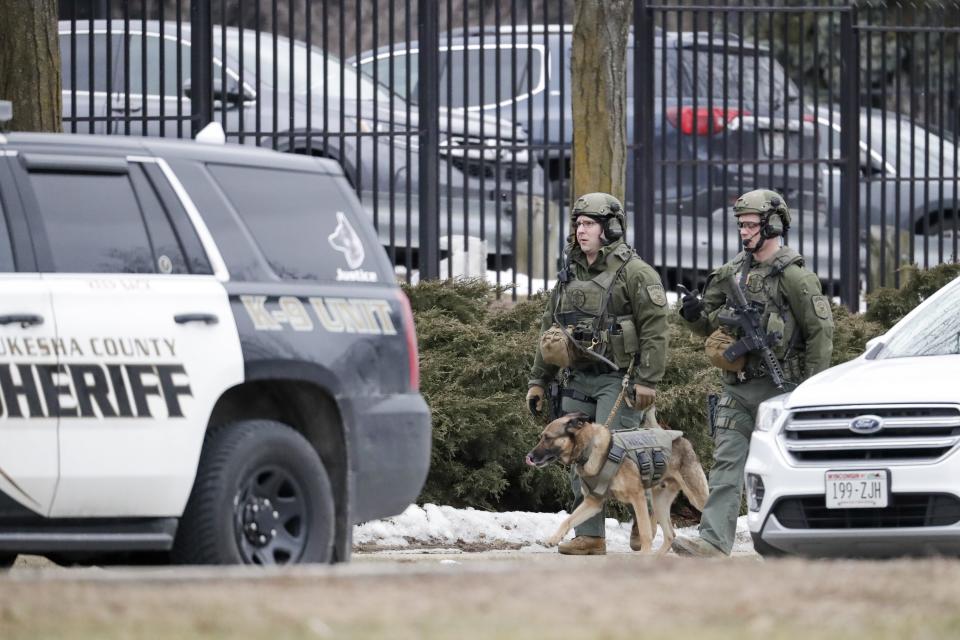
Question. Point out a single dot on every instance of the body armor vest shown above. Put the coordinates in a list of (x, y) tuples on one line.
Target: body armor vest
[(650, 449), (583, 310), (763, 290)]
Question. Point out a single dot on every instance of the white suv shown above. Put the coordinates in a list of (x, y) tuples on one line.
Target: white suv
[(861, 460)]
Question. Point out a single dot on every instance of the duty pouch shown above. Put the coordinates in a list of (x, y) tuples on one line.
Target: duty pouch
[(556, 349), (624, 342), (556, 398), (716, 345)]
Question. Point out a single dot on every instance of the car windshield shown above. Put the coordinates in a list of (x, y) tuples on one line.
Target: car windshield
[(935, 331), (324, 79)]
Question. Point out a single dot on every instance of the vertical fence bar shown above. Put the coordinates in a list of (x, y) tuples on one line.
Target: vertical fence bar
[(850, 149), (643, 70), (428, 99), (201, 65)]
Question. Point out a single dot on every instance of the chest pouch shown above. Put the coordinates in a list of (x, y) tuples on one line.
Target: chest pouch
[(715, 346)]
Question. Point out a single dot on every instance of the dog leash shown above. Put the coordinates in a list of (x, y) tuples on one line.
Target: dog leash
[(623, 390)]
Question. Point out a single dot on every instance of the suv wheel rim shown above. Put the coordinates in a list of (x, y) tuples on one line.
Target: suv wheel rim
[(270, 517)]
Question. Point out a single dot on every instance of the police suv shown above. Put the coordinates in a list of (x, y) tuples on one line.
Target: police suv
[(203, 356), (863, 459)]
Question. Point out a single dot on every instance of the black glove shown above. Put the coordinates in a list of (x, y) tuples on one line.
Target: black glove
[(535, 400), (691, 306)]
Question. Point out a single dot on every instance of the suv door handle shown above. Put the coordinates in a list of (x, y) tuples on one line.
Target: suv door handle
[(205, 318), (25, 319), (120, 106)]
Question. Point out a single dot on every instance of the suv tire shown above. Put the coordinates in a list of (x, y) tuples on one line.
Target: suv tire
[(261, 496)]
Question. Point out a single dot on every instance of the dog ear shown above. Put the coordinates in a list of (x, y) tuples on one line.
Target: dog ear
[(575, 421)]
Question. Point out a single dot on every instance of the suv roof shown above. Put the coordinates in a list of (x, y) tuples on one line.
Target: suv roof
[(232, 153), (681, 39)]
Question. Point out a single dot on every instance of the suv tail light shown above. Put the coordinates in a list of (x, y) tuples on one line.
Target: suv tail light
[(702, 121), (410, 331)]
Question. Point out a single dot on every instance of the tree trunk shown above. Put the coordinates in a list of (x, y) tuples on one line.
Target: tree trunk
[(30, 64), (599, 85)]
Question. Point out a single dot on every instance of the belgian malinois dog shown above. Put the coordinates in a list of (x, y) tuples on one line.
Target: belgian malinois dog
[(566, 438)]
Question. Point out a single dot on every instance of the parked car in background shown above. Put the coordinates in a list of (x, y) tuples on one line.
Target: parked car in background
[(862, 459), (909, 177), (140, 85), (716, 97)]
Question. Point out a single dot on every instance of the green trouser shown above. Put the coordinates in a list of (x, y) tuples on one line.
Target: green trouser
[(736, 416), (604, 388)]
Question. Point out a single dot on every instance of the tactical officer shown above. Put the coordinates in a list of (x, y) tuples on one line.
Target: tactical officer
[(603, 337), (786, 304)]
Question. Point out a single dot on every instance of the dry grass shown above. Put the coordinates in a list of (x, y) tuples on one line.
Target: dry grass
[(619, 596)]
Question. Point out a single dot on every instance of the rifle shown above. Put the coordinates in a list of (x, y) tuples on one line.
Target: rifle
[(747, 319)]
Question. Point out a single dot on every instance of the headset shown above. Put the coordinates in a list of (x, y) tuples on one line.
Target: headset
[(774, 224), (612, 227)]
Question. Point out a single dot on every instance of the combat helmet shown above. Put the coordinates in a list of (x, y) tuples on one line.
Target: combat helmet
[(605, 209), (770, 206)]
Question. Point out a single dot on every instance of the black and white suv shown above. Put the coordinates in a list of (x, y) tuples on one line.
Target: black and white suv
[(203, 353)]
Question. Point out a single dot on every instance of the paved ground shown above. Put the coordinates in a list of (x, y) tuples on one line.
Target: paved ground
[(491, 595)]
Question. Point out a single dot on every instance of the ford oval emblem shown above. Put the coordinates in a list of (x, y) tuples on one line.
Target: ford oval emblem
[(866, 424)]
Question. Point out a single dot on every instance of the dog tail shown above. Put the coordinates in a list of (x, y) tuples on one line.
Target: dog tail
[(691, 473)]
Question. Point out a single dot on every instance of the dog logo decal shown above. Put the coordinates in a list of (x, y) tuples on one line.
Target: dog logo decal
[(346, 240)]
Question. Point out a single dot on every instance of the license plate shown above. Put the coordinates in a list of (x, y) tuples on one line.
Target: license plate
[(857, 489)]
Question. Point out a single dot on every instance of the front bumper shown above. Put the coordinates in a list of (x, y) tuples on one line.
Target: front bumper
[(859, 543), (784, 480), (390, 455)]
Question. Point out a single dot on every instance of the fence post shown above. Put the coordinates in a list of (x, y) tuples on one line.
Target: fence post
[(201, 65), (643, 49), (428, 94), (850, 171)]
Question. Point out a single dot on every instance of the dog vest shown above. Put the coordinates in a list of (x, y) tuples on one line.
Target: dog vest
[(650, 449)]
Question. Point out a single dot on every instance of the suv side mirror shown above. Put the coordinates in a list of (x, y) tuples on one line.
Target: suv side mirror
[(232, 93)]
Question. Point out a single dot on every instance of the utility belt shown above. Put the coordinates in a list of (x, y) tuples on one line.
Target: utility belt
[(596, 370), (577, 395), (586, 337)]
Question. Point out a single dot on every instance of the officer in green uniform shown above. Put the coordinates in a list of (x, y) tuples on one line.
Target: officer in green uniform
[(790, 303), (604, 331)]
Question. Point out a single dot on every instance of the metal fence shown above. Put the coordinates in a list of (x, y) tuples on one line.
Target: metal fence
[(453, 121)]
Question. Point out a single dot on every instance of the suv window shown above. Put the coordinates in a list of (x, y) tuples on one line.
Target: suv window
[(455, 63), (292, 216), (746, 74), (461, 64), (94, 224), (658, 72), (172, 85), (81, 81), (6, 249)]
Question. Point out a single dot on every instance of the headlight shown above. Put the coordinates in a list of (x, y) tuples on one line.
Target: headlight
[(772, 413)]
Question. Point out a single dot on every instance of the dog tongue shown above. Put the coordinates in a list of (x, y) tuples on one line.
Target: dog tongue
[(529, 461)]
